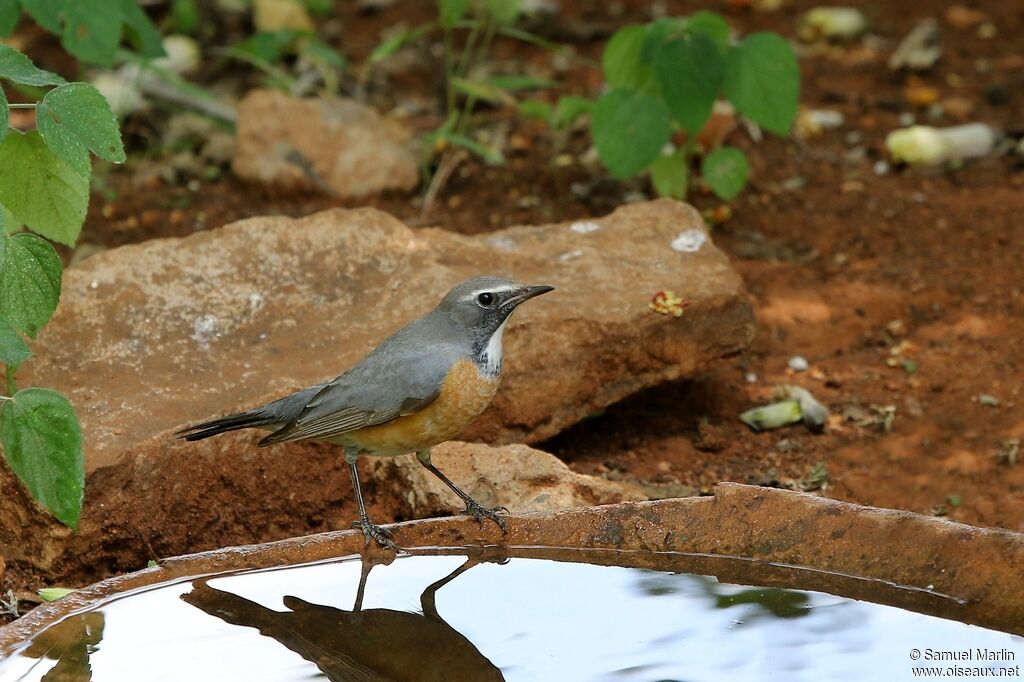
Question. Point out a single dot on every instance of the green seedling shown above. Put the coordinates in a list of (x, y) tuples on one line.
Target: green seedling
[(54, 593), (663, 81)]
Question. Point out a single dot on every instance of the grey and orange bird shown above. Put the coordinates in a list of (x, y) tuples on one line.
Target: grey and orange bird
[(420, 387)]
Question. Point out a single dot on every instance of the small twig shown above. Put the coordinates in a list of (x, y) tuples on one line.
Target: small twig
[(21, 105), (450, 160)]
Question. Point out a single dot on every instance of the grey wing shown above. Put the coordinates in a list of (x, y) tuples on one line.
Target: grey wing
[(378, 390)]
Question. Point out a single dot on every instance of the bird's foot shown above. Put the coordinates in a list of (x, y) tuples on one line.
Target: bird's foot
[(480, 512), (379, 534)]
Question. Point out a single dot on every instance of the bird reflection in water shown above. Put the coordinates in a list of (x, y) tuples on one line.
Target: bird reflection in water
[(368, 645)]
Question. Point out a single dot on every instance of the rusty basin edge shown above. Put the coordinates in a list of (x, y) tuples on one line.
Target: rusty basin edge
[(981, 567)]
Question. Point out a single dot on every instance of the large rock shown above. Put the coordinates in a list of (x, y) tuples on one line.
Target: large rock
[(517, 477), (148, 338), (330, 144)]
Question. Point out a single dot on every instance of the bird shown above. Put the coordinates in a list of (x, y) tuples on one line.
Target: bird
[(421, 386), (369, 645)]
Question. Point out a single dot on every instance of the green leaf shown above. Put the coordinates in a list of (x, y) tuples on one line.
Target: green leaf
[(30, 274), (568, 109), (670, 176), (46, 194), (690, 71), (488, 154), (269, 46), (46, 13), (763, 81), (452, 11), (629, 129), (535, 108), (88, 29), (516, 82), (660, 31), (710, 25), (74, 119), (319, 52), (185, 16), (13, 349), (482, 91), (141, 31), (503, 11), (319, 8), (42, 442), (54, 593), (623, 62), (14, 66), (10, 12), (396, 43), (8, 223), (725, 170)]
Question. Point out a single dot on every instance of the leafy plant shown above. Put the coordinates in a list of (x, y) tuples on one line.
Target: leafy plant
[(666, 76), (266, 49), (44, 186), (469, 28), (89, 30)]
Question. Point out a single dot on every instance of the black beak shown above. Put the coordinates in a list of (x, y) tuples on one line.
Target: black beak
[(528, 293), (537, 290)]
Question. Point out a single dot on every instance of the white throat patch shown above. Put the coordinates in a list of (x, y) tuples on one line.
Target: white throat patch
[(491, 357)]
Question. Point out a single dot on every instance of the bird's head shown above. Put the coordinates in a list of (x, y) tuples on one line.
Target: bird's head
[(481, 305)]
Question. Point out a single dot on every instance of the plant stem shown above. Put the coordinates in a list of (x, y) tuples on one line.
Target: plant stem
[(21, 105), (448, 70), (482, 51)]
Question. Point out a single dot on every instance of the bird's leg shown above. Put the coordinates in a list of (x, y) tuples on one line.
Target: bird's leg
[(473, 508), (368, 528)]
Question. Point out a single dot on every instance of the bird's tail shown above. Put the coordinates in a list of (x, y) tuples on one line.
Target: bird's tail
[(233, 422)]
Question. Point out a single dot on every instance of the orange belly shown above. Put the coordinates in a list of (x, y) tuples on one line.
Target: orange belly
[(464, 395)]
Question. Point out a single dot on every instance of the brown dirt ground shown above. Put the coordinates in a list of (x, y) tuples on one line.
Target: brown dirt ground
[(844, 266)]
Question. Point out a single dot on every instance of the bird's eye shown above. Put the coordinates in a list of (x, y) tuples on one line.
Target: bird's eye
[(486, 299)]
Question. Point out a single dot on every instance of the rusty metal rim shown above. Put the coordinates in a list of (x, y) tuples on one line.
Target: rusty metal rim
[(698, 532)]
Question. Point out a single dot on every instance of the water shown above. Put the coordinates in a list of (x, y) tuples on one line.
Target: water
[(442, 617)]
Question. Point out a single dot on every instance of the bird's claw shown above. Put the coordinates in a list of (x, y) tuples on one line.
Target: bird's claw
[(379, 534), (480, 512)]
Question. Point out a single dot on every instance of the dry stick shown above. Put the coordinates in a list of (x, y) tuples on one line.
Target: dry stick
[(449, 162)]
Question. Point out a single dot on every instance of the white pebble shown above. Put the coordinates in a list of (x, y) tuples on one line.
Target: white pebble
[(690, 240), (798, 363), (585, 227), (502, 243), (569, 255), (750, 377)]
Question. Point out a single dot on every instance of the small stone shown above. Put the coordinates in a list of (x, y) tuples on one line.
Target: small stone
[(988, 400), (958, 108), (896, 329), (920, 95), (515, 476), (962, 17), (281, 15), (798, 363), (331, 144)]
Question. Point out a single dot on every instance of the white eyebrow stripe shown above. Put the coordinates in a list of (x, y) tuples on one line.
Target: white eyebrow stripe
[(497, 289)]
